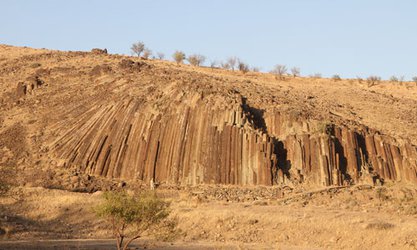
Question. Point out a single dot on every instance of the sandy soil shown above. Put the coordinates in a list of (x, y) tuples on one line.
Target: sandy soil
[(360, 217)]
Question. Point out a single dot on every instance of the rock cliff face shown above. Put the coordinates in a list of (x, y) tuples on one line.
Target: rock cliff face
[(194, 144), (326, 154), (123, 117), (191, 146)]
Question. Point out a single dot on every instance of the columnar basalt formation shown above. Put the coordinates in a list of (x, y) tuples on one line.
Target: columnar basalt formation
[(191, 146), (325, 154), (124, 117)]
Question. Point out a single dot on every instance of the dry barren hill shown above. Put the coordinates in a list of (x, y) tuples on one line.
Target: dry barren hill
[(135, 119)]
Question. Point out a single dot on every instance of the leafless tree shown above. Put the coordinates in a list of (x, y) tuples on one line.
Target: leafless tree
[(214, 64), (225, 65), (160, 55), (295, 71), (255, 69), (373, 80), (336, 78), (414, 79), (279, 71), (232, 62), (147, 53), (138, 48), (196, 59), (243, 67)]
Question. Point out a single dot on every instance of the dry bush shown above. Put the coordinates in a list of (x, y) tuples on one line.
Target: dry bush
[(359, 79), (147, 53), (213, 64), (160, 55), (414, 79), (243, 67), (393, 79), (138, 48), (256, 69), (132, 215), (232, 62), (295, 71), (336, 78), (279, 71), (196, 59), (178, 56), (225, 65), (373, 80)]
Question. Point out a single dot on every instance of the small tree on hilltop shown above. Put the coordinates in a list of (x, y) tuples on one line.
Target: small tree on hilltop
[(139, 213), (147, 53), (232, 62), (414, 79), (178, 56), (295, 72), (336, 78), (394, 79), (279, 71), (138, 48), (196, 60), (225, 65), (243, 67), (373, 80), (160, 55)]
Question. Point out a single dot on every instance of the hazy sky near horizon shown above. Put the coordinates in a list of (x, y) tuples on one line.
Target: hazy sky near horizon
[(350, 38)]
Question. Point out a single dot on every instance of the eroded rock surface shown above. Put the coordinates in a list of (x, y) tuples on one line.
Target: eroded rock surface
[(132, 119)]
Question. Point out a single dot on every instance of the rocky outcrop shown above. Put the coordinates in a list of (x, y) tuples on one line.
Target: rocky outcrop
[(236, 145), (28, 86), (99, 51), (326, 154), (191, 146)]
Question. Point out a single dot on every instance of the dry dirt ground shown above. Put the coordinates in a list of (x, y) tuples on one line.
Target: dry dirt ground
[(227, 217), (50, 202)]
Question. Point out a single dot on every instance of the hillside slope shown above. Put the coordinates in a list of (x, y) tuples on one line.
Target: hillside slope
[(129, 118)]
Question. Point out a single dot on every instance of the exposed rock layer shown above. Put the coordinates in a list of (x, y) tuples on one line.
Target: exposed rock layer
[(195, 145), (123, 117)]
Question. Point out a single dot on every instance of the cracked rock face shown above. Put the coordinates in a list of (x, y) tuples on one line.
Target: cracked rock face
[(140, 120)]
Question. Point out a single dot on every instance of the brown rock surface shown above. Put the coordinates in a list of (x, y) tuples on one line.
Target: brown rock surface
[(122, 117)]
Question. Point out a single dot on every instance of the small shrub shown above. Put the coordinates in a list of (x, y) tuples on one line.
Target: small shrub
[(336, 78), (196, 60), (373, 80), (414, 79), (232, 62), (316, 75), (142, 213), (138, 48), (279, 71), (382, 194), (393, 79), (147, 53), (213, 64), (295, 71), (243, 67), (255, 69), (225, 65), (160, 55), (359, 79), (179, 56)]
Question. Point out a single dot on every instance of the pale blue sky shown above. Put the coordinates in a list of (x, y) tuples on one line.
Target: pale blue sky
[(350, 37)]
